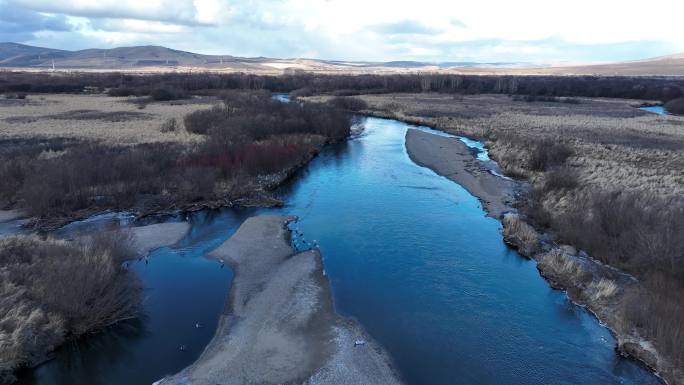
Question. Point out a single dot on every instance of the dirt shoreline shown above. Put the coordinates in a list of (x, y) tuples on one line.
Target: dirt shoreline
[(452, 159), (280, 325), (588, 282)]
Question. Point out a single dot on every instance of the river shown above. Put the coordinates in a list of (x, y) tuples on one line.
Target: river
[(409, 254)]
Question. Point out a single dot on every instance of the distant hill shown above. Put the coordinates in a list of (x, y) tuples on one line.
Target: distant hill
[(160, 59), (671, 65), (14, 55), (20, 53)]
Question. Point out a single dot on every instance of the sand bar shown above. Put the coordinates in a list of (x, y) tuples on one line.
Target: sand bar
[(150, 237), (280, 325), (451, 158)]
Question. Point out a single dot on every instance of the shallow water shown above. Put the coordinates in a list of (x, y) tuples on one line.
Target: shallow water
[(660, 110), (13, 227), (285, 98), (409, 254)]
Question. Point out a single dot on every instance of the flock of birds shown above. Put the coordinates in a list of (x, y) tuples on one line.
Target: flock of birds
[(298, 241)]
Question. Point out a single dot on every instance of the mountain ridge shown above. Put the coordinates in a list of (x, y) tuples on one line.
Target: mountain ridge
[(156, 58)]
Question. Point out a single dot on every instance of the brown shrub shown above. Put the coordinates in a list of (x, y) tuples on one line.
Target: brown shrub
[(520, 234), (121, 92), (171, 125), (163, 94), (560, 178), (249, 116), (532, 206), (635, 231), (657, 314), (52, 290), (201, 121), (547, 154), (18, 95), (675, 106), (561, 268), (349, 103)]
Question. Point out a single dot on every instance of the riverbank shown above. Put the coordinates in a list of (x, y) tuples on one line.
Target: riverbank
[(280, 325), (600, 288), (451, 158)]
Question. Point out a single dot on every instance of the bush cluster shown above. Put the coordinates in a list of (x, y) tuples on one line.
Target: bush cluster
[(249, 135), (544, 98), (547, 154), (255, 116), (349, 103), (163, 94), (303, 84), (51, 290), (675, 106)]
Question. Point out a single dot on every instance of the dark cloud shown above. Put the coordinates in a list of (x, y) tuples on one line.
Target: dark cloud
[(404, 27), (19, 24)]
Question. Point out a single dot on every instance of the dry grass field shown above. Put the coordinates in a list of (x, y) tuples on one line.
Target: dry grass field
[(111, 120)]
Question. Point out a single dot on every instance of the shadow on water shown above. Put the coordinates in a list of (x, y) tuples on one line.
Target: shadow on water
[(408, 253)]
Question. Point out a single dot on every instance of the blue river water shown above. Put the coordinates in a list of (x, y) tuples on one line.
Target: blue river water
[(408, 253)]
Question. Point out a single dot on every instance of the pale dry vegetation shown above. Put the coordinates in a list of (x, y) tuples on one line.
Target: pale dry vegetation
[(603, 290), (558, 265), (111, 120), (52, 290), (520, 234)]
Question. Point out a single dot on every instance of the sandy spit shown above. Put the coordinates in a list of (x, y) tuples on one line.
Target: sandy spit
[(150, 237), (280, 325), (451, 158)]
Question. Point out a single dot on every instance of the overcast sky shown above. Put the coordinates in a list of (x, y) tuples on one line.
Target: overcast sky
[(428, 30)]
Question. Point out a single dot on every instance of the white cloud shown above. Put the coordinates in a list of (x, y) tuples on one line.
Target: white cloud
[(524, 30), (179, 11)]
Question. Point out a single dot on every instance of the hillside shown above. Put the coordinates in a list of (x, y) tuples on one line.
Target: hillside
[(19, 55), (671, 65), (161, 59), (23, 55)]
